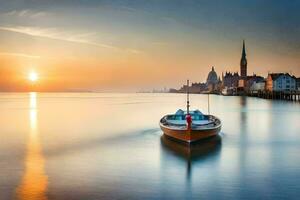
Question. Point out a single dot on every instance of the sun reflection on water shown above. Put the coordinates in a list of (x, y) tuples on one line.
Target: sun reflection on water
[(34, 182)]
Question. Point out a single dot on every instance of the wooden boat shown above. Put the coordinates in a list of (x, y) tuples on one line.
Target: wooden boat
[(190, 126)]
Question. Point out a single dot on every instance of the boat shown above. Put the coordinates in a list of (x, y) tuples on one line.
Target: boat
[(190, 126)]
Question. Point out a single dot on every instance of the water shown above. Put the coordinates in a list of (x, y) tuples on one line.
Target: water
[(109, 146)]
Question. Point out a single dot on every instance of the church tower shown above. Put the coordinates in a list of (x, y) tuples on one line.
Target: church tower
[(243, 63)]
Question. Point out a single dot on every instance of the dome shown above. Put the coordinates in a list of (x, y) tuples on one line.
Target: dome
[(212, 77)]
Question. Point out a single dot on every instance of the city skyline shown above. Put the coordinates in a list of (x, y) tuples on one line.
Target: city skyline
[(131, 46)]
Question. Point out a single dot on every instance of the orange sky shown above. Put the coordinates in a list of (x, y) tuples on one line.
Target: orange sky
[(122, 48)]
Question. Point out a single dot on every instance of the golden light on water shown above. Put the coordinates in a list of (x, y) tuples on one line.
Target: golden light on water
[(33, 76), (34, 182)]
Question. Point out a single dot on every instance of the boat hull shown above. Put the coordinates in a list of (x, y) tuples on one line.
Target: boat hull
[(190, 135), (196, 132)]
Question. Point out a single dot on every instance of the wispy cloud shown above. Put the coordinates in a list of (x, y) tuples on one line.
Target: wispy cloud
[(54, 33), (19, 55), (134, 51), (26, 13), (38, 14), (23, 13)]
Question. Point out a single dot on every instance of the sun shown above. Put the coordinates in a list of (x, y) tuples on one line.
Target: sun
[(33, 76)]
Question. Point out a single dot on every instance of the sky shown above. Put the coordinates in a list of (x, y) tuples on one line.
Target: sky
[(131, 45)]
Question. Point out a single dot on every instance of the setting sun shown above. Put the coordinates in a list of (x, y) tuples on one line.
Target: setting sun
[(33, 76)]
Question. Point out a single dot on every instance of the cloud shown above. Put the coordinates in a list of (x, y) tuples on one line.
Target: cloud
[(133, 51), (26, 13), (38, 14), (10, 13), (54, 33), (23, 13), (19, 55)]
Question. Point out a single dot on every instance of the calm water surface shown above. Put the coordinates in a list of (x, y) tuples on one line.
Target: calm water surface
[(109, 146)]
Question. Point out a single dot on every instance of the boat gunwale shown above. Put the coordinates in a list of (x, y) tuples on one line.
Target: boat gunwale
[(196, 127)]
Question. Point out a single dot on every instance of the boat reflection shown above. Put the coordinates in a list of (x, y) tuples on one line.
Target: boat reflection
[(34, 182), (194, 152)]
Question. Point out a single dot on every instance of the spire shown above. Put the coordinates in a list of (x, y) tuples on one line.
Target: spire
[(243, 64), (244, 50)]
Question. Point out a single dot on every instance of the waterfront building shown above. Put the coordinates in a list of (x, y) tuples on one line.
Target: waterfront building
[(298, 83), (234, 79), (257, 86), (230, 79), (253, 80), (213, 84), (242, 83), (212, 80), (173, 90), (243, 63), (280, 82), (194, 88), (232, 83), (197, 87)]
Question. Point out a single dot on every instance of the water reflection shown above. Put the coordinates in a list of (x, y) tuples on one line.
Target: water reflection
[(243, 131), (111, 151), (34, 181), (192, 153), (243, 111)]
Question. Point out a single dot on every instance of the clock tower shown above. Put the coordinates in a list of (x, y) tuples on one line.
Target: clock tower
[(243, 64)]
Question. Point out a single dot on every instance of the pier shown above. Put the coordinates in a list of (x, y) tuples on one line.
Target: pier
[(282, 95)]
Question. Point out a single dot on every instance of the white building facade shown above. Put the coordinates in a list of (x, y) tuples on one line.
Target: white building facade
[(281, 82), (257, 86)]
